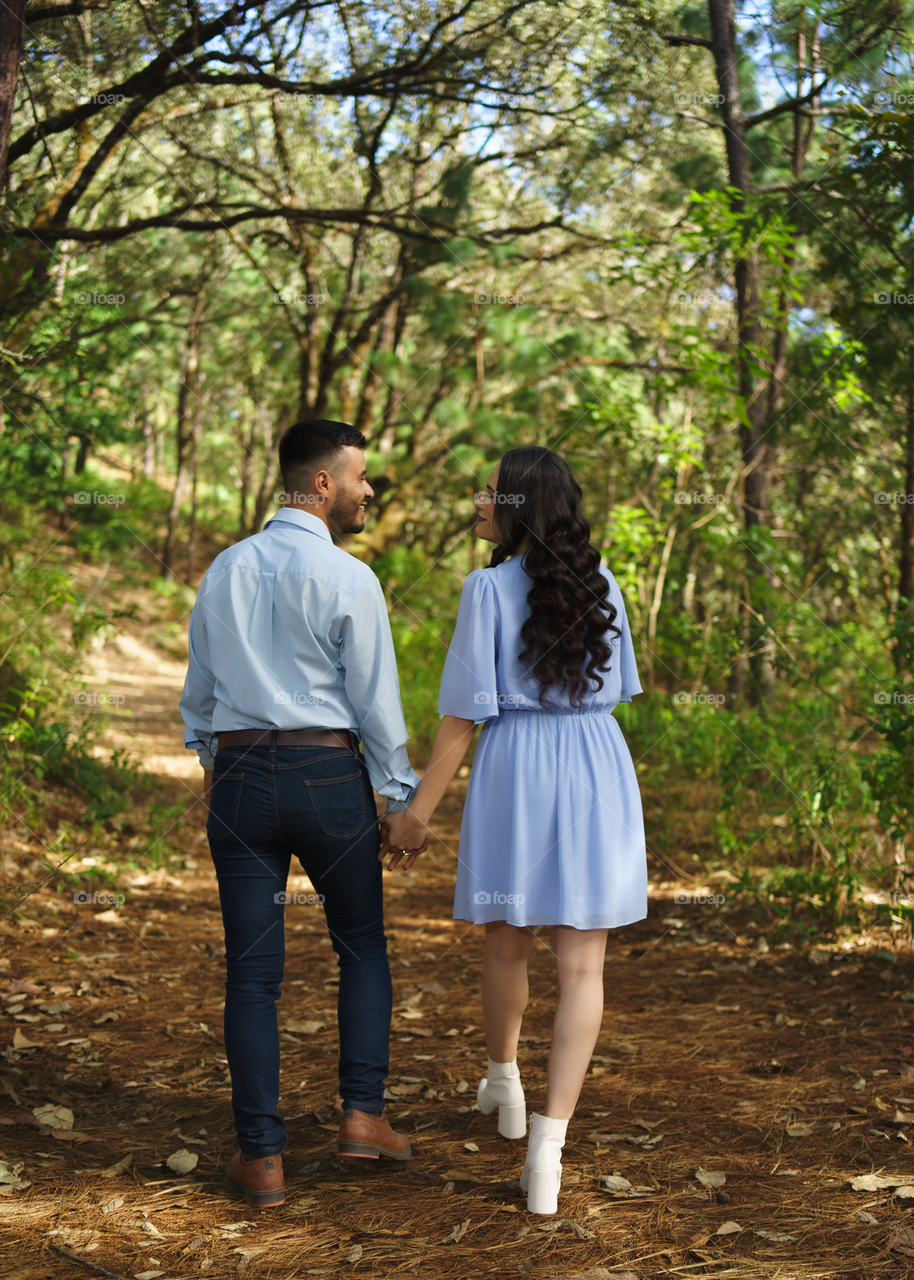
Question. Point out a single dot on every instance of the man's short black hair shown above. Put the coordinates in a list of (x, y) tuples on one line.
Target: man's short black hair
[(313, 444)]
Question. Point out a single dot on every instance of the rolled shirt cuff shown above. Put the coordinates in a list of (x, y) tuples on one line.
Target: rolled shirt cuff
[(397, 806)]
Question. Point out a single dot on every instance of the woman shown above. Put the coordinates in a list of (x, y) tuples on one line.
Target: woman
[(552, 831)]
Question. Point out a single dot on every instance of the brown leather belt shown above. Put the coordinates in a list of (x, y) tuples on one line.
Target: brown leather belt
[(289, 738)]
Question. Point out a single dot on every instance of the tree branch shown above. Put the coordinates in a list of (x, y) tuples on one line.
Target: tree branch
[(41, 13), (175, 218), (675, 41), (790, 105)]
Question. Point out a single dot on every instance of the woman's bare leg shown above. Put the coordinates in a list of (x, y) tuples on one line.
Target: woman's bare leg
[(579, 955), (504, 987)]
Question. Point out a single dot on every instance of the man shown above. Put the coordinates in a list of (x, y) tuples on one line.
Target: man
[(291, 663)]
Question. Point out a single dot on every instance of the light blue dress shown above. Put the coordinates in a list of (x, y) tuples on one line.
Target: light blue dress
[(552, 829)]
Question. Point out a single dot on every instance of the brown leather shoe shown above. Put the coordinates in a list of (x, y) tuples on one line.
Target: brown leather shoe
[(259, 1179), (362, 1134)]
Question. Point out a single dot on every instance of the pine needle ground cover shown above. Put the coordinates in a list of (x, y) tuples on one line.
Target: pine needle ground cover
[(733, 1096)]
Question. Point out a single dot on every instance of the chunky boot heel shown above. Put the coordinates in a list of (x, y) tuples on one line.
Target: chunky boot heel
[(543, 1192), (542, 1173), (502, 1088), (512, 1121)]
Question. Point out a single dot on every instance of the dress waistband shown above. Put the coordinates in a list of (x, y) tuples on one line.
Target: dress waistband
[(549, 711)]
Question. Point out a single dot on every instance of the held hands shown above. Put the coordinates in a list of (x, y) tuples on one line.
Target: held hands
[(404, 835)]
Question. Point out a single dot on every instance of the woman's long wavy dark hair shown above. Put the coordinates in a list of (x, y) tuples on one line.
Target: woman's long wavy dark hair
[(565, 640)]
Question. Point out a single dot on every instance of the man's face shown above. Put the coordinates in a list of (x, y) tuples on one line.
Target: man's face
[(351, 492)]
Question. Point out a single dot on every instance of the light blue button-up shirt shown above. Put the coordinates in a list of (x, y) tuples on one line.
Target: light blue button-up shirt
[(291, 632)]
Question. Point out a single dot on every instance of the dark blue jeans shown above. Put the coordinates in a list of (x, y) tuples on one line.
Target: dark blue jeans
[(316, 803)]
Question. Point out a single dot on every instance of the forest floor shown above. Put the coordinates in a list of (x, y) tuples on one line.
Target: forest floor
[(786, 1071)]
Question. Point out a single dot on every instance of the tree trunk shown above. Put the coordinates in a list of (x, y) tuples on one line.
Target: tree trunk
[(192, 533), (188, 399), (149, 447), (268, 487), (12, 20), (753, 430), (906, 509), (247, 463), (387, 330)]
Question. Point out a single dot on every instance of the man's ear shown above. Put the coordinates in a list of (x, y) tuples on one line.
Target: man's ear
[(323, 480)]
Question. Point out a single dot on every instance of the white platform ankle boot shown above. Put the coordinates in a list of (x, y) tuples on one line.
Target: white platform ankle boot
[(542, 1173), (502, 1088)]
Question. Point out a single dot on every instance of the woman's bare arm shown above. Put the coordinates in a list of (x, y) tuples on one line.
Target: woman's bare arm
[(450, 746)]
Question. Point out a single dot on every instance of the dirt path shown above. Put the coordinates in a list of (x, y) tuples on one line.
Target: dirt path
[(788, 1073)]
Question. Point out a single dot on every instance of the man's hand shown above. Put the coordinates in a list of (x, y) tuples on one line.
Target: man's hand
[(402, 834)]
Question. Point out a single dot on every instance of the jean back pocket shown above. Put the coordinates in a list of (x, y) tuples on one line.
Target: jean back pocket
[(339, 804), (224, 804)]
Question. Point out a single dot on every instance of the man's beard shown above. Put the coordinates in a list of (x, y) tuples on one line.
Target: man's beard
[(346, 515)]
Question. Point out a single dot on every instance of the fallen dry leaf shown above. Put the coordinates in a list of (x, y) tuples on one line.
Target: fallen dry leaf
[(600, 1273), (903, 1241), (182, 1161), (21, 1041), (877, 1182), (302, 1027), (54, 1117), (460, 1175), (799, 1129), (120, 1167), (710, 1179), (728, 1229), (612, 1182), (457, 1232)]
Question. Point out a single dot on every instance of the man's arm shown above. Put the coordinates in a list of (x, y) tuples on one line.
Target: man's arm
[(370, 673), (198, 700)]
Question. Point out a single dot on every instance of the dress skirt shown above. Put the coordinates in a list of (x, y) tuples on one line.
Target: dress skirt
[(552, 829)]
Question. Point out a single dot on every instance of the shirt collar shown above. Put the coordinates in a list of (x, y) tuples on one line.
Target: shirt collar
[(294, 515)]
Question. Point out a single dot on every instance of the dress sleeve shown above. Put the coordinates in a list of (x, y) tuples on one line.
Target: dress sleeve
[(624, 654), (468, 683)]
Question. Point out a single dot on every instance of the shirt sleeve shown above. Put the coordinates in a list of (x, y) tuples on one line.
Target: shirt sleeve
[(370, 674), (198, 701), (469, 686), (624, 653)]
